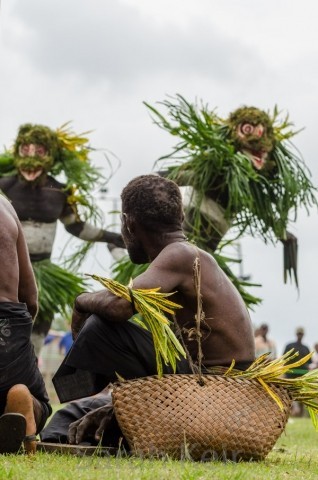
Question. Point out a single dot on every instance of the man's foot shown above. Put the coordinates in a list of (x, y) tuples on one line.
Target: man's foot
[(20, 400), (12, 432)]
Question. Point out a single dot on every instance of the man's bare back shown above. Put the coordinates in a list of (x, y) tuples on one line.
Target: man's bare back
[(23, 397), (227, 332), (17, 282), (227, 321)]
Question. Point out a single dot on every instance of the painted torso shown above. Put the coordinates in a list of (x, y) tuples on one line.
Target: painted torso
[(41, 203), (38, 208)]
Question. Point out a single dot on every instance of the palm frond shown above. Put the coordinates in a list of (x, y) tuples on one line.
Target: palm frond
[(152, 305), (303, 389)]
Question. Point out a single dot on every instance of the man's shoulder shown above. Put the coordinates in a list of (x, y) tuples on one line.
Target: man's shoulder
[(179, 251), (271, 343), (180, 257), (174, 256), (7, 182), (289, 346), (8, 215), (52, 182), (5, 204)]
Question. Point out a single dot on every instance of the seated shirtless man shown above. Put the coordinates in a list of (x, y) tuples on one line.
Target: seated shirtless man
[(108, 344), (22, 390)]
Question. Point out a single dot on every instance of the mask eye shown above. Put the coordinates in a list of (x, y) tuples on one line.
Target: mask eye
[(24, 150), (259, 130), (247, 128), (40, 150)]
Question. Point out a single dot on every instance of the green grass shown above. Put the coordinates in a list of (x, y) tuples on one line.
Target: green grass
[(295, 456)]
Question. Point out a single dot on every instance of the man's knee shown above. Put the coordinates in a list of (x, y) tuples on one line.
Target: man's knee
[(19, 390)]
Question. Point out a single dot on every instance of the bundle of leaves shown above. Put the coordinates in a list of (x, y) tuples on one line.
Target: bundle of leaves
[(57, 288), (152, 305)]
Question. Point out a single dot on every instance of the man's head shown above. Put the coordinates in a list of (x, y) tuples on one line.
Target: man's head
[(300, 332), (155, 204), (35, 151), (263, 329)]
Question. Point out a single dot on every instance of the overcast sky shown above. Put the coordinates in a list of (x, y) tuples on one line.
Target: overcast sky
[(94, 63)]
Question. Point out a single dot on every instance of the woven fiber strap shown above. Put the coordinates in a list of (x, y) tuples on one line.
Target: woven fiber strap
[(226, 418)]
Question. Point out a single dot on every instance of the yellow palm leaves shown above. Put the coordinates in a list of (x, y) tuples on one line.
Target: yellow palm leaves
[(303, 389), (152, 306), (76, 143)]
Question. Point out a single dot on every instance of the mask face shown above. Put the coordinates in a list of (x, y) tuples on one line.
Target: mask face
[(34, 152), (33, 161), (251, 132)]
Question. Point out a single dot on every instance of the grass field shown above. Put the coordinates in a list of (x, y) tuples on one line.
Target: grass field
[(295, 456)]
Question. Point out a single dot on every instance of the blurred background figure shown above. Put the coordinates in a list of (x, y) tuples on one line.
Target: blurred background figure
[(28, 178), (314, 358), (65, 343), (263, 344), (50, 358), (303, 350)]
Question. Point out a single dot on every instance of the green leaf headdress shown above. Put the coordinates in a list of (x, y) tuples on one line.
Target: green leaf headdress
[(67, 153), (211, 158)]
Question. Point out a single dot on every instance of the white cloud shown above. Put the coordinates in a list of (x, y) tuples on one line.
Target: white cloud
[(109, 40)]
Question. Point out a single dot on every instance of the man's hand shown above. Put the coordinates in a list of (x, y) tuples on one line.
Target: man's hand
[(78, 320), (290, 238), (114, 238), (92, 424)]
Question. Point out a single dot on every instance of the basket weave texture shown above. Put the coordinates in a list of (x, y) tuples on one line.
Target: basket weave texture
[(227, 418)]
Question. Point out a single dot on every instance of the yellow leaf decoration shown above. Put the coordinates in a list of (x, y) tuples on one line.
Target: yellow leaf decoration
[(152, 305)]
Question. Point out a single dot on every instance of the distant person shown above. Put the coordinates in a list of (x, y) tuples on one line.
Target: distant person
[(263, 344), (314, 358), (303, 350), (65, 343), (24, 403), (41, 201)]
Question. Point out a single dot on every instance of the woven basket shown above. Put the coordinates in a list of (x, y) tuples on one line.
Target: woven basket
[(227, 418)]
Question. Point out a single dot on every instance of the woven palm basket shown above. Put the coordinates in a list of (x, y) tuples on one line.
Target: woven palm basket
[(227, 418)]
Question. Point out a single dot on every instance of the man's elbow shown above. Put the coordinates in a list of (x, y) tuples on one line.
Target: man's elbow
[(74, 229), (33, 309), (119, 311)]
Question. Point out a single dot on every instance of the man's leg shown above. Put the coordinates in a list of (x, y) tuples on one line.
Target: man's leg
[(57, 429), (108, 349), (20, 400)]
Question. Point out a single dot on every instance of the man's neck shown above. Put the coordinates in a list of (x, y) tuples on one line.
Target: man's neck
[(157, 242)]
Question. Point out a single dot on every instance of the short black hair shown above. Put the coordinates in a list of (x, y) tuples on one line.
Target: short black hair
[(153, 201)]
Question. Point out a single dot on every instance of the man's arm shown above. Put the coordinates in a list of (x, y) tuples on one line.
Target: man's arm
[(104, 304), (27, 287), (166, 271), (86, 231)]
